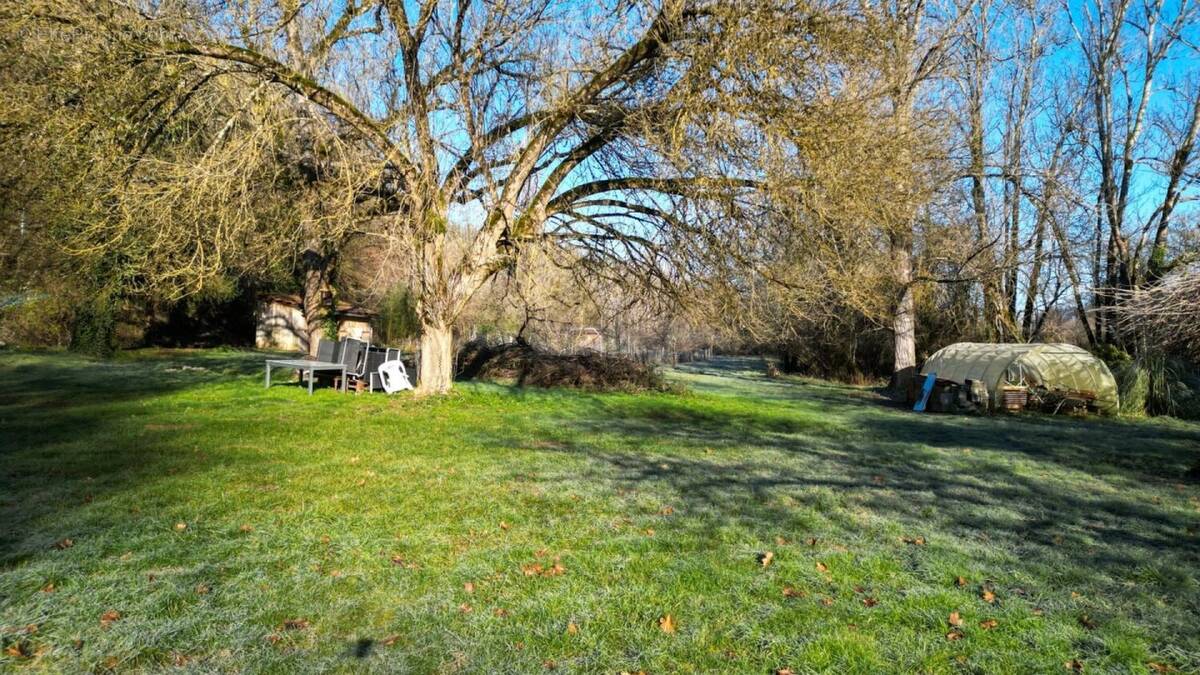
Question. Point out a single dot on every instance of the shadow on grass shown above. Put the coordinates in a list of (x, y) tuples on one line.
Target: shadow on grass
[(51, 407), (1060, 499)]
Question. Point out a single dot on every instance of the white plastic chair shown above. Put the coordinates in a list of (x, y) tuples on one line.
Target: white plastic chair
[(393, 376)]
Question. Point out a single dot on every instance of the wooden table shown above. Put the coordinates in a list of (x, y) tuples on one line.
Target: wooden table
[(306, 365)]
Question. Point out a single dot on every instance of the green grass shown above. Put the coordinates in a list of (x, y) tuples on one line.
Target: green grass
[(367, 515)]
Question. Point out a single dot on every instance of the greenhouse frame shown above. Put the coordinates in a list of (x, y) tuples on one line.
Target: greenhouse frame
[(1057, 367)]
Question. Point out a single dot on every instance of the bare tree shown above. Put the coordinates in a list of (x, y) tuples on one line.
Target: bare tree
[(916, 48), (1125, 46), (601, 126)]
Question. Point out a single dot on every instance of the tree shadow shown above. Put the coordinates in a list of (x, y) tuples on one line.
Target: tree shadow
[(53, 404), (1059, 499)]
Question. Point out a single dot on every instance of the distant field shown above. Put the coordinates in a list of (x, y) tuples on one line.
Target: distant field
[(165, 511)]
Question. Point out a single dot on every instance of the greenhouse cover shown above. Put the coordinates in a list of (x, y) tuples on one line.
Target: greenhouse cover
[(1057, 367)]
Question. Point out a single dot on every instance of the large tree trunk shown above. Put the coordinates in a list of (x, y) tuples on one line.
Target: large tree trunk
[(436, 372), (313, 301), (904, 325)]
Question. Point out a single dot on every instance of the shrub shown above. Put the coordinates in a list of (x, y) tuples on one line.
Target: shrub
[(1155, 384), (94, 329), (36, 320), (1133, 386)]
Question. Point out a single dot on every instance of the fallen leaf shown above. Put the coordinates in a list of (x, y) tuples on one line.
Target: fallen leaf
[(246, 528), (915, 541), (1074, 665), (1087, 622), (469, 587), (572, 629), (504, 525), (765, 559), (389, 640), (789, 592), (465, 608), (953, 635), (649, 532), (869, 601), (549, 664), (1160, 667), (400, 560), (500, 612), (48, 588), (827, 601), (336, 574), (988, 596), (955, 619), (531, 570), (859, 589), (296, 624), (64, 544), (784, 671), (960, 582), (780, 541), (666, 511), (518, 645), (180, 526), (108, 617), (989, 624), (666, 623), (202, 589), (18, 650), (821, 567)]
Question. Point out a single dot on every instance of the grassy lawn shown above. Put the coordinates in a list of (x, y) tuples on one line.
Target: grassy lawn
[(166, 511)]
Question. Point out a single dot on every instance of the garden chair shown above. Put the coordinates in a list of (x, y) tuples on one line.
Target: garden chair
[(329, 351), (399, 376), (375, 358), (393, 376), (354, 355)]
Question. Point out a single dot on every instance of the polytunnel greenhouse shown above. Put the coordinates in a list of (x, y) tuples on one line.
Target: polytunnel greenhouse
[(1038, 367)]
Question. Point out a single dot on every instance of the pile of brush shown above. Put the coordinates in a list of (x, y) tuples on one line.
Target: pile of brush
[(521, 364)]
